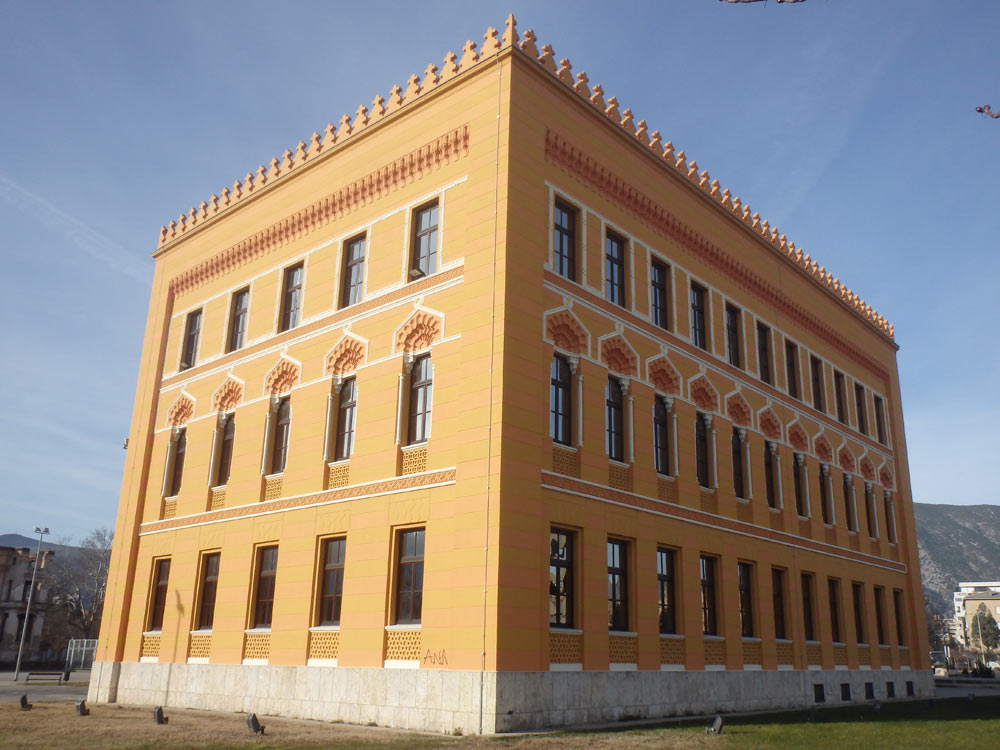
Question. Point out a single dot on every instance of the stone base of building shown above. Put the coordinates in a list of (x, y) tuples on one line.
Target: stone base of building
[(476, 702)]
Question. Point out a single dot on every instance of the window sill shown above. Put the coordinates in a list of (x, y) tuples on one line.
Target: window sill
[(167, 498), (713, 637), (404, 626), (673, 636), (828, 525), (750, 639), (565, 446), (274, 475), (218, 487), (567, 631), (616, 462), (803, 518), (413, 446), (325, 629), (711, 490), (152, 632), (744, 500), (855, 533), (663, 475), (248, 631), (339, 461), (623, 633), (774, 510), (201, 632)]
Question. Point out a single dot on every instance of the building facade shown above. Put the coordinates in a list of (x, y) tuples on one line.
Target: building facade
[(16, 567), (969, 596), (485, 409)]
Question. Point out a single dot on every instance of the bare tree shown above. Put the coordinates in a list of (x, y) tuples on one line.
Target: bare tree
[(76, 583), (985, 110)]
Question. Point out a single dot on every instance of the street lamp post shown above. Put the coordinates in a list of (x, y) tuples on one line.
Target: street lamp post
[(31, 593)]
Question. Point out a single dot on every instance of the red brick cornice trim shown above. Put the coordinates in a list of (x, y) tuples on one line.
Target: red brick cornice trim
[(618, 190), (372, 186)]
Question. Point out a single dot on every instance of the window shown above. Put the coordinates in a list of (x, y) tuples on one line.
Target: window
[(263, 600), (798, 466), (425, 239), (838, 392), (564, 240), (665, 582), (819, 692), (897, 605), (192, 330), (816, 369), (870, 517), (421, 398), (699, 317), (25, 590), (209, 587), (859, 402), (792, 368), (225, 460), (614, 432), (291, 298), (764, 352), (353, 273), (614, 269), (659, 281), (808, 625), (852, 521), (282, 428), (410, 576), (890, 516), (739, 487), (845, 691), (701, 448), (239, 312), (770, 485), (177, 470), (890, 689), (158, 604), (778, 599), (561, 579), (733, 337), (909, 689), (331, 585), (346, 408), (870, 691), (708, 603), (824, 494), (857, 594), (661, 436), (833, 590), (617, 585), (879, 420), (560, 401), (879, 614), (744, 581)]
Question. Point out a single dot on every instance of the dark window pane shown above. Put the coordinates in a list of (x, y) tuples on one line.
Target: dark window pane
[(225, 462), (733, 337), (410, 576), (660, 286), (238, 315), (617, 585), (792, 368), (661, 436), (423, 261), (560, 401), (267, 567), (161, 576), (737, 451), (859, 402), (291, 300), (833, 589), (345, 419), (816, 368), (764, 352), (614, 442), (857, 594), (701, 449), (209, 586), (744, 581), (353, 274), (192, 330), (708, 601), (561, 591), (614, 269), (797, 469), (421, 392), (665, 583), (699, 317), (332, 581), (769, 480), (282, 427), (838, 392), (807, 607), (180, 449), (564, 240)]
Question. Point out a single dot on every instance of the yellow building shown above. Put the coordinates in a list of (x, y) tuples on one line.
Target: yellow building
[(485, 409)]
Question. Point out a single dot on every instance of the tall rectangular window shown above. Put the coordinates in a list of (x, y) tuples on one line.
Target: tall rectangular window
[(807, 607), (209, 587), (897, 605), (291, 298), (331, 586), (708, 602), (764, 352), (870, 517), (421, 399), (879, 615), (282, 428), (352, 277), (699, 317), (880, 420), (659, 281), (564, 240), (410, 576), (701, 449), (778, 600), (859, 402), (263, 600), (816, 371), (797, 469), (838, 393), (560, 401), (792, 368), (661, 435), (346, 410), (833, 591), (665, 583), (614, 432), (158, 603), (225, 461), (849, 513), (744, 582), (192, 331), (890, 516), (739, 486), (733, 338), (614, 269), (177, 471), (824, 494), (239, 313), (617, 585), (561, 593), (770, 485), (423, 260), (857, 594)]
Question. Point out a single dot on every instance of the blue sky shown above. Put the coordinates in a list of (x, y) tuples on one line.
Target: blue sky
[(848, 124)]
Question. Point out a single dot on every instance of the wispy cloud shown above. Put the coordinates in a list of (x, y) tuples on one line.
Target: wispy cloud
[(86, 238)]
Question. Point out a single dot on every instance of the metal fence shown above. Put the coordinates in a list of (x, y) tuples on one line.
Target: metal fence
[(80, 653)]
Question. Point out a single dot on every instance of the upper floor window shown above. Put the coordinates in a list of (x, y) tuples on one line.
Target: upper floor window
[(733, 337), (659, 283), (807, 607), (859, 402), (709, 621), (764, 352), (560, 401), (291, 297), (701, 449), (792, 368), (880, 420), (239, 314), (617, 585), (346, 409), (870, 512), (614, 269), (665, 583), (824, 494), (736, 442), (614, 431), (890, 516), (192, 331), (158, 601), (177, 468), (770, 485), (838, 393), (561, 593), (816, 370), (744, 583), (421, 398), (263, 601), (353, 272), (857, 594), (209, 587), (661, 436), (849, 510), (833, 591), (282, 429), (564, 240), (798, 467), (224, 462), (331, 587), (424, 256), (880, 615), (778, 600), (410, 576), (699, 317), (897, 605)]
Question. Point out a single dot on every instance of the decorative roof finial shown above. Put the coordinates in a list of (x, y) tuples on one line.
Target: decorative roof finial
[(509, 32)]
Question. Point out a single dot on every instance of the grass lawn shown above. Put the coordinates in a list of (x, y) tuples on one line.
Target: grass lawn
[(910, 725)]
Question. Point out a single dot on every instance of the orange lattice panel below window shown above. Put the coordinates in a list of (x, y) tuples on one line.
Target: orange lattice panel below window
[(150, 646), (217, 501), (778, 521), (840, 655), (338, 475), (414, 460), (751, 653), (666, 490), (622, 649), (671, 651), (565, 462), (324, 644), (169, 509), (565, 648), (257, 646), (813, 655), (744, 512), (787, 656), (864, 655), (715, 652), (709, 502), (620, 477), (200, 646), (272, 487), (402, 645)]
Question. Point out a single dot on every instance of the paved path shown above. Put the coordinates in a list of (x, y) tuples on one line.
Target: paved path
[(43, 691)]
